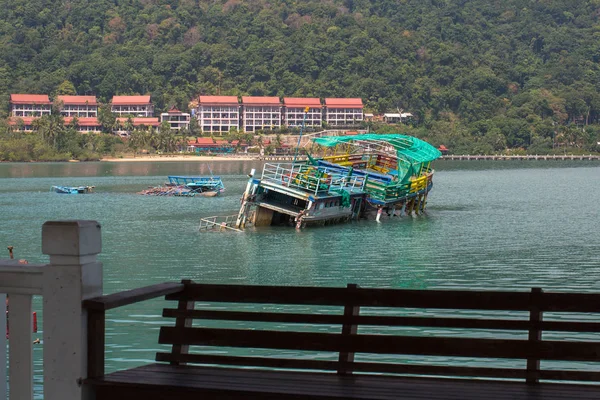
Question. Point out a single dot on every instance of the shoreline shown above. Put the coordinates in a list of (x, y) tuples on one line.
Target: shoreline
[(147, 158)]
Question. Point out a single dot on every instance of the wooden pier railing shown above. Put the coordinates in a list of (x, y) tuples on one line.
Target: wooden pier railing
[(357, 343)]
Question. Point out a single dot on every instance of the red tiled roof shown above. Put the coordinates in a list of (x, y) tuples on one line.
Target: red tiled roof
[(261, 100), (130, 100), (442, 148), (26, 120), (344, 103), (302, 102), (174, 110), (83, 121), (137, 121), (29, 99), (78, 100), (222, 100)]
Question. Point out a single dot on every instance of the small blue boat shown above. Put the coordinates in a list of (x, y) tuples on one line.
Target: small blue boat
[(209, 185), (72, 189)]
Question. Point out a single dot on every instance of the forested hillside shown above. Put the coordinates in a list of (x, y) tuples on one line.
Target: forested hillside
[(481, 75)]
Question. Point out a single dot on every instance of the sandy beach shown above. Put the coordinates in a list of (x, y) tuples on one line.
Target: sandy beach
[(153, 158)]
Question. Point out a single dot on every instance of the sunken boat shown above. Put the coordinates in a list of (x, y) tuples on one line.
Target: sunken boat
[(368, 176)]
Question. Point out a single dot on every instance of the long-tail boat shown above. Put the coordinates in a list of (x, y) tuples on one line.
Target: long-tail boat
[(376, 174)]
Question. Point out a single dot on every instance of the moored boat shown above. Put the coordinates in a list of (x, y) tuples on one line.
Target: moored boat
[(374, 175), (72, 189), (188, 186), (198, 184)]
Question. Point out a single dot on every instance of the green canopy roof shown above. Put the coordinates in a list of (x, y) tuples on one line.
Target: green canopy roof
[(407, 147)]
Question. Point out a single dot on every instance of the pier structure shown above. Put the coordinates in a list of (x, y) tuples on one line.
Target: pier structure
[(562, 157)]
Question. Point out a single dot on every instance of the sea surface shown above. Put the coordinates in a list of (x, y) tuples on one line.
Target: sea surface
[(489, 225)]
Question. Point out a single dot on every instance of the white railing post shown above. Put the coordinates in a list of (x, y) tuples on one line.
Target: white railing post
[(20, 362), (73, 275), (3, 358)]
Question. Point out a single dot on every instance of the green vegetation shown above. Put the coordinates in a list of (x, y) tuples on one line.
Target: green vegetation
[(481, 76)]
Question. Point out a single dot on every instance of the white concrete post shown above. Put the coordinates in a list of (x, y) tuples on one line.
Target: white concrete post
[(73, 275), (20, 361), (3, 354)]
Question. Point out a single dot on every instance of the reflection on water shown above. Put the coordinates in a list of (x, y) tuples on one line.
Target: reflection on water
[(133, 168)]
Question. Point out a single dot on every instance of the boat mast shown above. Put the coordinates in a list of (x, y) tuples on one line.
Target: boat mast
[(300, 136)]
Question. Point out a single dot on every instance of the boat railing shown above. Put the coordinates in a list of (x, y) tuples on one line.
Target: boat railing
[(420, 183), (219, 222), (184, 180), (310, 178)]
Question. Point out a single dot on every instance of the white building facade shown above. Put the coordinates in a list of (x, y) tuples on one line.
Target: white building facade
[(78, 106), (136, 106), (177, 120), (295, 108), (261, 113), (30, 105), (218, 114), (343, 112)]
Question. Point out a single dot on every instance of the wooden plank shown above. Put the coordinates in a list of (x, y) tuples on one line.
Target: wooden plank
[(264, 362), (567, 351), (220, 315), (120, 299), (588, 376), (357, 367), (366, 297), (569, 326), (374, 320), (570, 302), (382, 344), (534, 335), (95, 342), (378, 344), (346, 358)]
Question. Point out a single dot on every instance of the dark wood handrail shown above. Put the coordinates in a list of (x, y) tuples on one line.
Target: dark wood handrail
[(97, 307), (120, 299)]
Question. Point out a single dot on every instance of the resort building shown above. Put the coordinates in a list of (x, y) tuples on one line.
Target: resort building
[(393, 118), (22, 123), (261, 113), (294, 111), (30, 105), (138, 122), (177, 120), (136, 106), (343, 112), (78, 106), (85, 124), (218, 114)]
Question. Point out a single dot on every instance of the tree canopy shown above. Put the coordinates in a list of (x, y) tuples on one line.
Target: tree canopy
[(479, 74)]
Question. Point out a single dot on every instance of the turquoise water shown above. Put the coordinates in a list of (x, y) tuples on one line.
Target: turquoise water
[(503, 224)]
